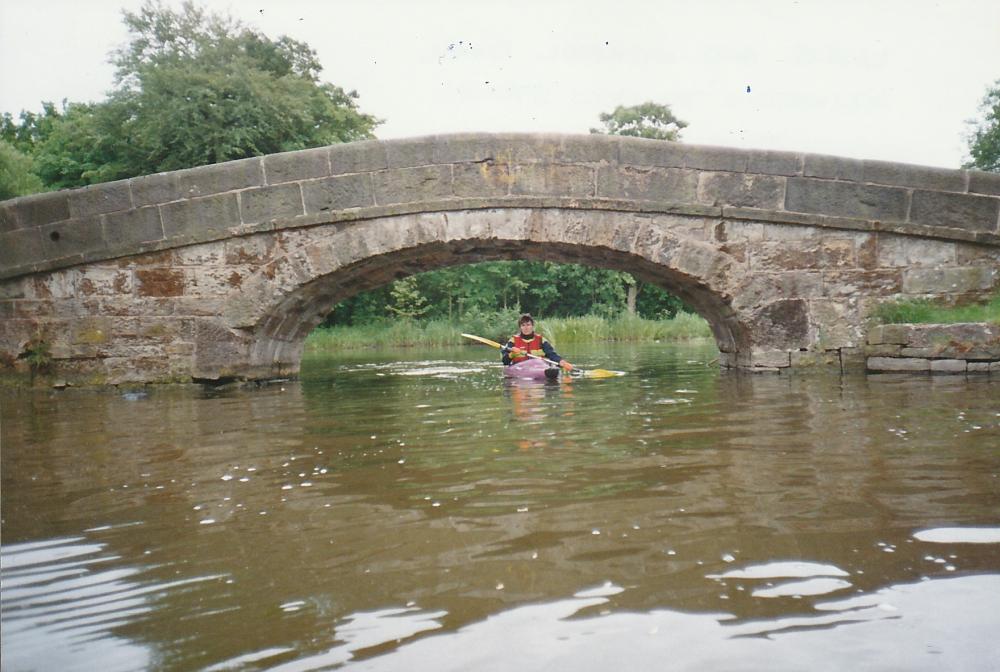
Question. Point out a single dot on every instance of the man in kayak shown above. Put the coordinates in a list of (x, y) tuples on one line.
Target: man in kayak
[(527, 341)]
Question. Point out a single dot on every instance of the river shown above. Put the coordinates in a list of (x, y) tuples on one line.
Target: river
[(411, 510)]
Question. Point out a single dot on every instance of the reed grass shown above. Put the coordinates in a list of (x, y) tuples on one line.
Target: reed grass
[(925, 311), (566, 330)]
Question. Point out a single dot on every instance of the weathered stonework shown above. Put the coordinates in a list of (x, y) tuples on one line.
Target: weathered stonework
[(938, 348), (221, 271)]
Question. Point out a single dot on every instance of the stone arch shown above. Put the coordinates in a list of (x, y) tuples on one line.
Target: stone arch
[(288, 297)]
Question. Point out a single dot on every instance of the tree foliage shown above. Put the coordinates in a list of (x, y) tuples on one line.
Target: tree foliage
[(192, 88), (984, 140), (17, 177), (541, 288), (648, 120)]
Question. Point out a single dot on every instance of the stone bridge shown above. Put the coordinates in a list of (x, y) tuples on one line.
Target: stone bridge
[(220, 272)]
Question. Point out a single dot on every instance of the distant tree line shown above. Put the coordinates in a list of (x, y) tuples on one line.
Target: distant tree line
[(541, 288)]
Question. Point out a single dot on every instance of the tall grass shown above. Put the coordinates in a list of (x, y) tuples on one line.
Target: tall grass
[(499, 327), (925, 311)]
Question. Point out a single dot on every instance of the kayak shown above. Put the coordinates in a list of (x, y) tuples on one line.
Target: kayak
[(536, 369)]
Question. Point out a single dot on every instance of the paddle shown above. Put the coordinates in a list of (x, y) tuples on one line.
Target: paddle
[(589, 373)]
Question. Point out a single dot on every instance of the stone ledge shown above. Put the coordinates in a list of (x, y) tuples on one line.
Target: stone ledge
[(970, 347)]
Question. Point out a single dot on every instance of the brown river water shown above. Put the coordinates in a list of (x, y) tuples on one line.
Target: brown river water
[(411, 510)]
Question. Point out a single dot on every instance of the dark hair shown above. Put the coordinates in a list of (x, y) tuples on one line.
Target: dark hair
[(526, 318)]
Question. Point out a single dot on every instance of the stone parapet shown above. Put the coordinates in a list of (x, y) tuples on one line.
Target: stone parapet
[(370, 179), (972, 347)]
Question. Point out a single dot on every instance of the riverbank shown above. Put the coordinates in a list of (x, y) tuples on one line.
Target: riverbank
[(560, 331)]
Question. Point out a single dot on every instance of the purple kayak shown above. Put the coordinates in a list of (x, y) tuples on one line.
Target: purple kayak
[(531, 368)]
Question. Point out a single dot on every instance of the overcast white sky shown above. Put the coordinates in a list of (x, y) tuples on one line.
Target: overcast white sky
[(882, 79)]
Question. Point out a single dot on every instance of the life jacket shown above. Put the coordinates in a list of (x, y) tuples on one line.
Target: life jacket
[(534, 346)]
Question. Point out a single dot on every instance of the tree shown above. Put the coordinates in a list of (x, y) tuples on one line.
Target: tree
[(407, 301), (648, 120), (191, 89), (17, 177), (984, 140)]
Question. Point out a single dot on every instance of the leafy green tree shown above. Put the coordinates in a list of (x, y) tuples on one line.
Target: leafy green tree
[(648, 120), (192, 88), (406, 299), (984, 140), (17, 176)]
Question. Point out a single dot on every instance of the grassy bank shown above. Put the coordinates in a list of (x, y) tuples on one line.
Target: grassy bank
[(929, 312), (569, 330)]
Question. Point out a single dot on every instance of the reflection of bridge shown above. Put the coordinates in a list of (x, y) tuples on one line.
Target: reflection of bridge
[(221, 271)]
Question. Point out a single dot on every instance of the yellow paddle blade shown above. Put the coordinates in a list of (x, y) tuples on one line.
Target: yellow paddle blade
[(601, 373), (484, 341)]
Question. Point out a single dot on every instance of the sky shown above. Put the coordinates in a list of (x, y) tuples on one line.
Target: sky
[(891, 80)]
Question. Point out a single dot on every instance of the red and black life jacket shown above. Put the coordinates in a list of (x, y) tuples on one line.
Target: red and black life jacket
[(532, 345)]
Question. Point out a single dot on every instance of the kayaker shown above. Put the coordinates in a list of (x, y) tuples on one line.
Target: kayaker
[(525, 341)]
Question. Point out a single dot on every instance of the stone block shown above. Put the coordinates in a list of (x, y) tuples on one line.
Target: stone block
[(668, 185), (99, 199), (292, 166), (102, 282), (358, 157), (994, 368), (948, 280), (41, 209), (776, 359), (19, 249), (410, 152), (898, 364), (948, 366), (221, 177), (984, 183), (469, 148), (715, 158), (338, 193), (783, 323), (72, 237), (978, 367), (845, 199), (833, 167), (552, 180), (155, 189), (123, 230), (883, 350), (774, 163), (553, 148), (958, 211), (200, 218), (742, 190), (412, 185), (920, 177), (896, 334), (643, 152), (485, 178), (159, 282), (8, 217), (265, 204)]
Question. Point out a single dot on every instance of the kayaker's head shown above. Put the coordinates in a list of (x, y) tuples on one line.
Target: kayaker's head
[(527, 325)]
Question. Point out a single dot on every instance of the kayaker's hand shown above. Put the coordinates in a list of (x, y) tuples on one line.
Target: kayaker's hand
[(566, 365), (516, 352)]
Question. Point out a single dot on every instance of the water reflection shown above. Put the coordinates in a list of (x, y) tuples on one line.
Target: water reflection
[(379, 508)]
